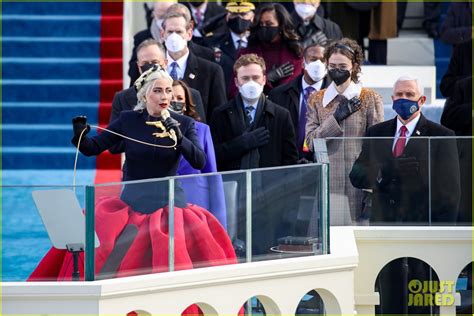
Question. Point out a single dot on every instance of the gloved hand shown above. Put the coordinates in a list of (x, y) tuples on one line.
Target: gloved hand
[(79, 123), (256, 138), (280, 72), (346, 108), (171, 124), (400, 167)]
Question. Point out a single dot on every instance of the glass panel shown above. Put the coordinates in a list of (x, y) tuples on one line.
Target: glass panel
[(211, 225), (27, 252), (451, 181), (131, 222), (428, 184), (286, 212)]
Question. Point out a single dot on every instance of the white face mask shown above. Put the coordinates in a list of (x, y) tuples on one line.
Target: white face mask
[(316, 70), (251, 90), (305, 10), (175, 43)]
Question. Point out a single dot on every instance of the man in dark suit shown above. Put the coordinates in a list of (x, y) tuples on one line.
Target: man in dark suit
[(226, 44), (208, 18), (149, 52), (414, 180), (200, 74), (294, 95), (160, 10), (252, 132), (311, 27)]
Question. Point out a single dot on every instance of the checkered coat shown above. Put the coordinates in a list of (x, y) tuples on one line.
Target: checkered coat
[(342, 153)]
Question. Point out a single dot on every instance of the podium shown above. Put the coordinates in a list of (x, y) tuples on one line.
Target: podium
[(64, 221)]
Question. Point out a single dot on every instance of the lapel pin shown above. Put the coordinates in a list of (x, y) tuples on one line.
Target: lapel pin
[(192, 76), (418, 133)]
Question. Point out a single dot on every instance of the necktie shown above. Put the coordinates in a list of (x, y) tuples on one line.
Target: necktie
[(239, 44), (302, 117), (198, 16), (248, 111), (401, 141), (174, 72)]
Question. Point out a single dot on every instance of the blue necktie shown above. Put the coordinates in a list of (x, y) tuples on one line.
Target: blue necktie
[(302, 118), (248, 110), (174, 73)]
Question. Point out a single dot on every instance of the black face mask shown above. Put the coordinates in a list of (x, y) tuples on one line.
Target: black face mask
[(239, 25), (339, 76), (146, 66), (177, 107), (267, 33)]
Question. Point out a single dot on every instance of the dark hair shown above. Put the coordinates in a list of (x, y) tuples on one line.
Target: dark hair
[(287, 30), (151, 42), (313, 44), (190, 106), (351, 50)]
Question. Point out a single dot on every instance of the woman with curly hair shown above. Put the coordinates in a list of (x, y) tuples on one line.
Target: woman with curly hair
[(344, 109)]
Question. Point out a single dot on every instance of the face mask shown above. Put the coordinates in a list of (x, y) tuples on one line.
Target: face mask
[(305, 10), (405, 108), (267, 33), (251, 90), (339, 76), (146, 66), (177, 107), (175, 43), (238, 25), (316, 70)]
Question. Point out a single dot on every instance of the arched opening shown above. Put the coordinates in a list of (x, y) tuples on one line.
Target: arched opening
[(199, 309), (464, 287), (259, 305), (407, 286), (138, 312), (311, 303)]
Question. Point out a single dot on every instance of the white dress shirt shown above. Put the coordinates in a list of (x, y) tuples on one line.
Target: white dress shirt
[(236, 38), (410, 130), (353, 90), (202, 8), (181, 68)]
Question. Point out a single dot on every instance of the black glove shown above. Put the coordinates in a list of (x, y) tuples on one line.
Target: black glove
[(79, 123), (303, 161), (346, 108), (171, 124), (278, 73), (400, 168), (256, 138)]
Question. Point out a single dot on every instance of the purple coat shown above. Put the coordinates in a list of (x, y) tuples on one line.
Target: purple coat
[(207, 192)]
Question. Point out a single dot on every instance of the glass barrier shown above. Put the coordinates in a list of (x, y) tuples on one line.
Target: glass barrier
[(207, 220), (27, 252), (428, 183)]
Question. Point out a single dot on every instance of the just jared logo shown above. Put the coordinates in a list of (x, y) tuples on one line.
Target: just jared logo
[(430, 293)]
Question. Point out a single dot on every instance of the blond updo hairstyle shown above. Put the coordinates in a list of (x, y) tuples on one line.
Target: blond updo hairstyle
[(145, 83)]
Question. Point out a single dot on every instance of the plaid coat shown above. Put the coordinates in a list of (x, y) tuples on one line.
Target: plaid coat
[(342, 153)]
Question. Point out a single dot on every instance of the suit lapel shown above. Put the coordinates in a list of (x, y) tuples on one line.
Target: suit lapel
[(131, 98), (236, 117), (416, 147), (191, 73), (228, 47)]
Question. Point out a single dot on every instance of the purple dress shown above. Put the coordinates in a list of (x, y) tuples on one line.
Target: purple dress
[(207, 192)]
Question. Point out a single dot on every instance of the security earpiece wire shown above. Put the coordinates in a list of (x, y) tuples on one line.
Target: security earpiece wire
[(118, 134)]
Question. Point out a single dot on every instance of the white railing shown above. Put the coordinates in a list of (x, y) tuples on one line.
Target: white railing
[(344, 279)]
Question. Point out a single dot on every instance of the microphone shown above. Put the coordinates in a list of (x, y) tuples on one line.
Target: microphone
[(164, 115)]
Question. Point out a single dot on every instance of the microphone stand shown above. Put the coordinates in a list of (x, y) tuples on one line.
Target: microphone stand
[(75, 249)]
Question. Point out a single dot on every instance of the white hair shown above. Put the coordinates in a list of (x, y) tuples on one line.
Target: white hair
[(148, 84), (419, 87)]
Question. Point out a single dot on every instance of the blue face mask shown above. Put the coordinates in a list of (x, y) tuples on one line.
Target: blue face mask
[(405, 108)]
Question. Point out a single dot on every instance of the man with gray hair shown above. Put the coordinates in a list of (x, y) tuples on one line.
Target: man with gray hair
[(411, 167)]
